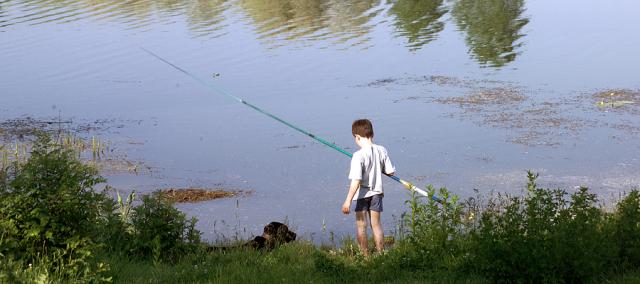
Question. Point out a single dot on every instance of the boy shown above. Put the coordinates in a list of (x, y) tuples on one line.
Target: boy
[(367, 166)]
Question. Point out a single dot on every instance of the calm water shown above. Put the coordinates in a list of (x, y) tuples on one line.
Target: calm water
[(465, 94)]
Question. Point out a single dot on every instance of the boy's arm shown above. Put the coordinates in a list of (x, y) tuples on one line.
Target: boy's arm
[(388, 167), (353, 187)]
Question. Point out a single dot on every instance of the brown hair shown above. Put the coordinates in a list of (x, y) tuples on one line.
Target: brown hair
[(362, 127)]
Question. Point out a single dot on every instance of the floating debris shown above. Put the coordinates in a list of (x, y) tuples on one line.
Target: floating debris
[(495, 96), (618, 100), (604, 104), (181, 195)]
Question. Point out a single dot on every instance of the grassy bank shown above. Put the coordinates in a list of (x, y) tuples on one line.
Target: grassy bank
[(299, 262), (55, 228)]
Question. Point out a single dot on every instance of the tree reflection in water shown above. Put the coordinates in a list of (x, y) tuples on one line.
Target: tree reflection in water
[(418, 20), (493, 28)]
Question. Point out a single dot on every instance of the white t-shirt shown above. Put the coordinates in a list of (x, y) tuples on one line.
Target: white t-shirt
[(367, 165)]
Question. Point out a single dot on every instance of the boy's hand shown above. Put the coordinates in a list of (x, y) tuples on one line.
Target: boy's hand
[(345, 207)]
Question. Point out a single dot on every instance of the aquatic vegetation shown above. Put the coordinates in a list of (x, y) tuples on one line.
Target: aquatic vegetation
[(625, 101), (487, 97)]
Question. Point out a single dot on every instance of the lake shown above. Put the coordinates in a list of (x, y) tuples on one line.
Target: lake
[(464, 94)]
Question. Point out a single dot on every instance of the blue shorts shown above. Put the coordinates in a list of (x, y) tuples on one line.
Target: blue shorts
[(372, 203)]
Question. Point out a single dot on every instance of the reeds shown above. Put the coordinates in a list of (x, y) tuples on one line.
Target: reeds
[(19, 151), (98, 146), (5, 157)]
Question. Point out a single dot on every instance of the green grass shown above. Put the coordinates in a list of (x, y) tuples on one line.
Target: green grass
[(299, 262), (285, 264), (296, 262)]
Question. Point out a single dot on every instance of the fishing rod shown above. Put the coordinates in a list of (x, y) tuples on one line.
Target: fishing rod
[(219, 90)]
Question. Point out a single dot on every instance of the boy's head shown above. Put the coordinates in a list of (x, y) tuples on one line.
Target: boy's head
[(363, 128)]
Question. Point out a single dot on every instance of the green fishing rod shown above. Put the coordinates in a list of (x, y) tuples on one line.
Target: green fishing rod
[(219, 90)]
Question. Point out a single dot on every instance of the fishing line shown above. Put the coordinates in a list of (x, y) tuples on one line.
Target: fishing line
[(219, 90)]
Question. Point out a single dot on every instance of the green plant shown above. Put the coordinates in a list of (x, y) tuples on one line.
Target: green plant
[(626, 230), (542, 237), (160, 230), (436, 238), (124, 207), (50, 211)]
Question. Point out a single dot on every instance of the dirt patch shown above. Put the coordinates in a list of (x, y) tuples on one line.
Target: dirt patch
[(190, 195)]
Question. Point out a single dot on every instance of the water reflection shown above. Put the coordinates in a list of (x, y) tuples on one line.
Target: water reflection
[(351, 19), (418, 20), (493, 28), (203, 16), (291, 18), (206, 17), (311, 19)]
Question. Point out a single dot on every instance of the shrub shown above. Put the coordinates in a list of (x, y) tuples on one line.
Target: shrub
[(160, 230), (437, 231), (626, 230), (548, 235), (50, 211), (53, 220), (543, 237)]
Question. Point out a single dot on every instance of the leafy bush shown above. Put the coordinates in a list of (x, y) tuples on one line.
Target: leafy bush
[(51, 218), (542, 237), (626, 230), (49, 210), (436, 239), (548, 235), (161, 231)]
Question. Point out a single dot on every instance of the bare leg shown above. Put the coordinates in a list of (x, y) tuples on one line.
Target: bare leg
[(361, 232), (376, 227)]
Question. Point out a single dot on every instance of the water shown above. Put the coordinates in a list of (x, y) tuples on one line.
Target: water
[(413, 67)]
